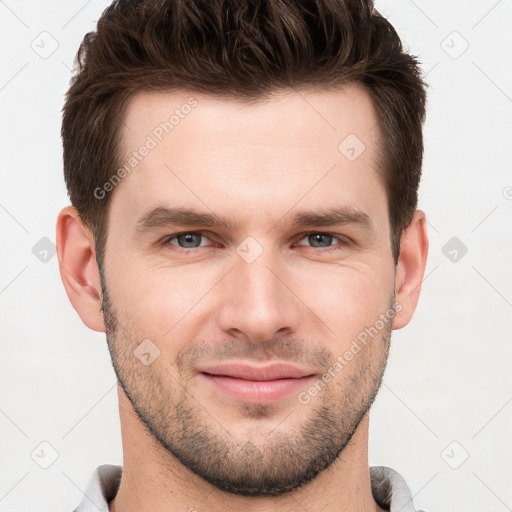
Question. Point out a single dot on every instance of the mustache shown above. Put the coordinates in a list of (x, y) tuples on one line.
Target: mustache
[(283, 349)]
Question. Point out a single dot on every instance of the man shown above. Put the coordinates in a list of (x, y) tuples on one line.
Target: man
[(244, 179)]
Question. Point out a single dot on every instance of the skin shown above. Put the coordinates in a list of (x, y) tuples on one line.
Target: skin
[(296, 302)]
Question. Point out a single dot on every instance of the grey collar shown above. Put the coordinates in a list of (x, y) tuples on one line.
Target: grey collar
[(389, 489)]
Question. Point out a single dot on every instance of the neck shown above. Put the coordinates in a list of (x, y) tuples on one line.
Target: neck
[(153, 480)]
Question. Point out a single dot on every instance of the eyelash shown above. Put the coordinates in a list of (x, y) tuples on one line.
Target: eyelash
[(344, 241)]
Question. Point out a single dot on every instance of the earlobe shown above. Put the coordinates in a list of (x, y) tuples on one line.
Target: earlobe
[(410, 269), (78, 268)]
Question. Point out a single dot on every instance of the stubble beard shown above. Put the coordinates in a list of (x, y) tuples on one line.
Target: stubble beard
[(283, 461)]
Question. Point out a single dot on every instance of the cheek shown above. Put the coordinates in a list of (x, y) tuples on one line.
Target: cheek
[(346, 298), (160, 302), (176, 303)]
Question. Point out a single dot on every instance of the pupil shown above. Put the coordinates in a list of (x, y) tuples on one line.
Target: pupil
[(318, 238), (189, 239)]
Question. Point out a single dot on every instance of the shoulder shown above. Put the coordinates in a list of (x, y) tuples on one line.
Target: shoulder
[(390, 490), (101, 489)]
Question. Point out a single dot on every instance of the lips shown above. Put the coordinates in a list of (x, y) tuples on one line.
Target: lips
[(263, 373), (256, 384)]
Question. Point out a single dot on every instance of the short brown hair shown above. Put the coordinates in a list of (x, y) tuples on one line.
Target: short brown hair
[(242, 50)]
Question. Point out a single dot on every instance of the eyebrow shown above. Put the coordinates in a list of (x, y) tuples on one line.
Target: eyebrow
[(162, 216)]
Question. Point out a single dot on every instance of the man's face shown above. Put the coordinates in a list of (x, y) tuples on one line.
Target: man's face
[(259, 291)]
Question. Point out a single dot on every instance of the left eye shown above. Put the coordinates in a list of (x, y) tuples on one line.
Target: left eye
[(192, 240), (322, 238)]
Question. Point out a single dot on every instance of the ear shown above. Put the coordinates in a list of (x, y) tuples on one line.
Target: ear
[(78, 268), (410, 269)]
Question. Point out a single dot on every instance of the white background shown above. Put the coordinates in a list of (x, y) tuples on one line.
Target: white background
[(448, 377)]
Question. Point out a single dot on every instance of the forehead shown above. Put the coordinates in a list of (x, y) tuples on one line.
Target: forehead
[(283, 117), (297, 145)]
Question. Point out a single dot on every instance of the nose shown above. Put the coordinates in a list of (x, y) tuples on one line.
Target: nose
[(258, 301)]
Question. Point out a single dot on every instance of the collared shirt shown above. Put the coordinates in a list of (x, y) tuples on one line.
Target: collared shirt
[(388, 488)]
